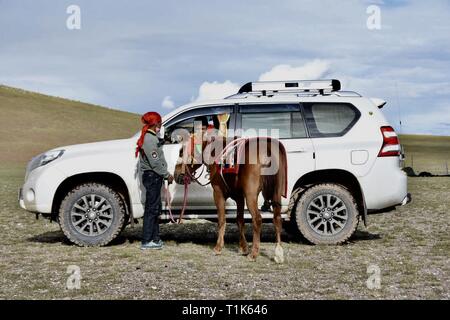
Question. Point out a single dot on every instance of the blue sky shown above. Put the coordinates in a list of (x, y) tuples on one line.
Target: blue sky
[(154, 55)]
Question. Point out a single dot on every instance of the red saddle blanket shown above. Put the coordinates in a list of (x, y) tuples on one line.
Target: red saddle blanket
[(230, 159)]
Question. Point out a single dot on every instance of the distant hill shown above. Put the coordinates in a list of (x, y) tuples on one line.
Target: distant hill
[(427, 153), (31, 123)]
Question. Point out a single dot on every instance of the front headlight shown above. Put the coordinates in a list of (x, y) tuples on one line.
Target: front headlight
[(43, 159)]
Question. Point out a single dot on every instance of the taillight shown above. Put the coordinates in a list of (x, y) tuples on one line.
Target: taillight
[(391, 145)]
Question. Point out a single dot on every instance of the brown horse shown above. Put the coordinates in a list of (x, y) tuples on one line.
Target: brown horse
[(251, 175)]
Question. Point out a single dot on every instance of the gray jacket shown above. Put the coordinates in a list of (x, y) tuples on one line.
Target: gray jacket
[(151, 156)]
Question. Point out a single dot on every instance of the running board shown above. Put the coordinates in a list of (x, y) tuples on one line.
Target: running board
[(229, 215)]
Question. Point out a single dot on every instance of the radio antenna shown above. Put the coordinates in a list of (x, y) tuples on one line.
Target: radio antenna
[(398, 108)]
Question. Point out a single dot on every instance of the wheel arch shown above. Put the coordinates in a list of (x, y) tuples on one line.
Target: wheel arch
[(112, 180), (339, 176)]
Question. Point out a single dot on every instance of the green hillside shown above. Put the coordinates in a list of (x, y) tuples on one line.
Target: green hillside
[(31, 123)]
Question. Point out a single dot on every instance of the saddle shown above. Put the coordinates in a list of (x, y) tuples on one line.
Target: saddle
[(228, 161)]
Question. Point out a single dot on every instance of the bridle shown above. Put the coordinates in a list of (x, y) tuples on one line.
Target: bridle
[(187, 179)]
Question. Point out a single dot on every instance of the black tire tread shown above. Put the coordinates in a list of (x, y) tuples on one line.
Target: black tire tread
[(301, 202), (107, 239)]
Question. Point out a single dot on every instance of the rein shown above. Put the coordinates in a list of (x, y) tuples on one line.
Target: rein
[(186, 182)]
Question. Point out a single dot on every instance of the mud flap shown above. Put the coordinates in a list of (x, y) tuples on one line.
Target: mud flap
[(364, 213)]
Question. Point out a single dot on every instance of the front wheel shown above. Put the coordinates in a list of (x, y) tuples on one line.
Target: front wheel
[(92, 215), (326, 214)]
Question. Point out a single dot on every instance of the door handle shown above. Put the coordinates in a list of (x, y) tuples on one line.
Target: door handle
[(299, 150)]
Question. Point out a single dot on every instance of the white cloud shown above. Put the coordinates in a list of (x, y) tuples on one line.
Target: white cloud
[(168, 103), (310, 71), (217, 90)]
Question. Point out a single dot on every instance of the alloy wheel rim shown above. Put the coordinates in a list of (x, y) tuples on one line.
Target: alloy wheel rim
[(91, 215), (327, 214)]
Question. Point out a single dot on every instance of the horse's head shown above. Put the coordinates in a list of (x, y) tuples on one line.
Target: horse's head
[(189, 160), (192, 153)]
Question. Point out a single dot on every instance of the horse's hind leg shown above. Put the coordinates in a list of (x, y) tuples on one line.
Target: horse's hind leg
[(243, 246), (221, 220), (252, 205), (279, 254)]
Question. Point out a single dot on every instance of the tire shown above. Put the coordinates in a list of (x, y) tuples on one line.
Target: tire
[(92, 225), (331, 202)]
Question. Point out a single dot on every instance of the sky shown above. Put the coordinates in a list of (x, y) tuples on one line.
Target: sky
[(141, 56)]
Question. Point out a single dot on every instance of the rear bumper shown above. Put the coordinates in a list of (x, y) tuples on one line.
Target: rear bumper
[(406, 200), (386, 185)]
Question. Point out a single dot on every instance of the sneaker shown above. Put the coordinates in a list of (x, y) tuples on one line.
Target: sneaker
[(151, 245), (159, 242)]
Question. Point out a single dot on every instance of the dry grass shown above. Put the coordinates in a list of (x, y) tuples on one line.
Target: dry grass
[(31, 123), (410, 246)]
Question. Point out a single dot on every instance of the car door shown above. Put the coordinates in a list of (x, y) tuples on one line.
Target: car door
[(284, 121), (199, 196), (329, 125)]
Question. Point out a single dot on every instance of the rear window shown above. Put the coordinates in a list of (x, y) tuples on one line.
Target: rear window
[(330, 119)]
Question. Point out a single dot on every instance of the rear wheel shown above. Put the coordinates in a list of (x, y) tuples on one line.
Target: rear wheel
[(92, 215), (326, 214)]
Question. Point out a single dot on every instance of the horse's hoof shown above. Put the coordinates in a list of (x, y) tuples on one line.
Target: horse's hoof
[(243, 252), (251, 258), (279, 254), (217, 252), (279, 260)]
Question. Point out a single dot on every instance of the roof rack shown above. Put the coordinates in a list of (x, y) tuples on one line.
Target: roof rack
[(297, 86)]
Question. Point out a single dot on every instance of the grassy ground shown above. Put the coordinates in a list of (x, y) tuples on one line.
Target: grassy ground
[(410, 247)]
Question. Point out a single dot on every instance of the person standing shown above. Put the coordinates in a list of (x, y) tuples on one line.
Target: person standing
[(153, 166)]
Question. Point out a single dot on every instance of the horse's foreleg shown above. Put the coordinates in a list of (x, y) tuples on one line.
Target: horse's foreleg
[(243, 246), (252, 204), (279, 254), (221, 221)]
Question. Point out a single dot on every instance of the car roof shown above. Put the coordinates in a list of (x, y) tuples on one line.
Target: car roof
[(252, 99)]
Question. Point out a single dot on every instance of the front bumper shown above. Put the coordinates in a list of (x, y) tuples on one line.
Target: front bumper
[(20, 199), (36, 194), (407, 199)]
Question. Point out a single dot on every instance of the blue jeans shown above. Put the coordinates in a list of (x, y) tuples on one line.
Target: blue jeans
[(152, 183)]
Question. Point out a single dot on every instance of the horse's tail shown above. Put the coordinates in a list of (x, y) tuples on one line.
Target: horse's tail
[(276, 183), (282, 170)]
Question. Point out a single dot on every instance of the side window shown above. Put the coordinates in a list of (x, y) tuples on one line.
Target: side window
[(187, 124), (218, 117), (287, 119), (330, 119)]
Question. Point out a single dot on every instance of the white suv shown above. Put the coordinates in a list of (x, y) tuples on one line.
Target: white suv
[(343, 163)]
